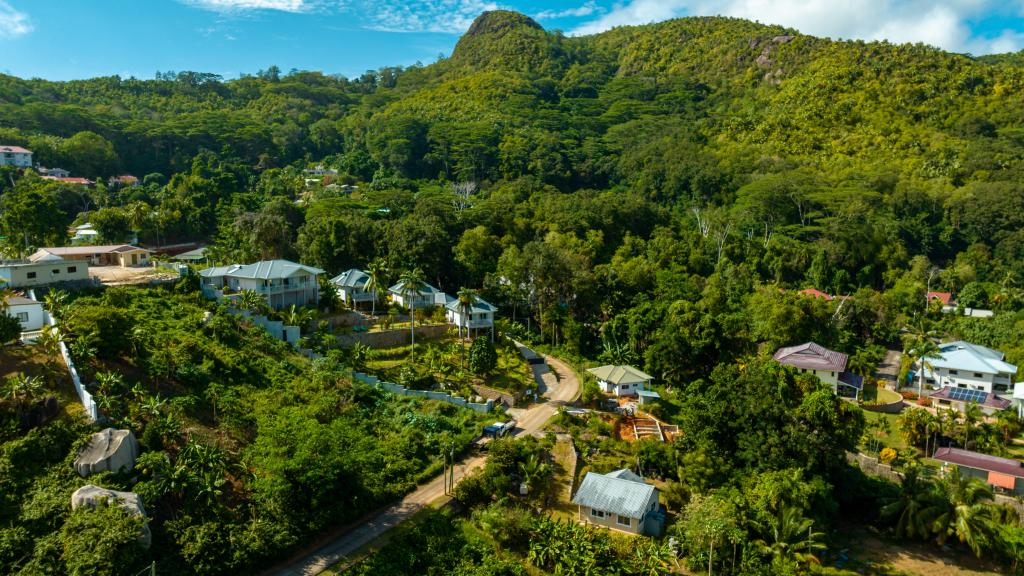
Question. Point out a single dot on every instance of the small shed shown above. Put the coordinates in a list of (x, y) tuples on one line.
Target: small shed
[(91, 496), (27, 311), (648, 397), (108, 450)]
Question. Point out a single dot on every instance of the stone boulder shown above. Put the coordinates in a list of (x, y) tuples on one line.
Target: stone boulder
[(113, 450), (92, 496)]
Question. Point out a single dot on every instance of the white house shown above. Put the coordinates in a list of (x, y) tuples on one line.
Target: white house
[(425, 297), (480, 317), (15, 156), (621, 380), (828, 365), (284, 283), (351, 287), (972, 366), (84, 234), (56, 172), (619, 500), (27, 311), (51, 270)]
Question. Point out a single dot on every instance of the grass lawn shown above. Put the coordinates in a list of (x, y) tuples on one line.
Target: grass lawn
[(893, 439), (874, 394), (31, 360), (562, 477)]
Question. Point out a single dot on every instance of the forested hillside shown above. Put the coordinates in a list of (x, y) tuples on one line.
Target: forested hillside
[(655, 195)]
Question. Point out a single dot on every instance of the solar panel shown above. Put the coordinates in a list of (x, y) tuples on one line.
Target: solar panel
[(967, 395)]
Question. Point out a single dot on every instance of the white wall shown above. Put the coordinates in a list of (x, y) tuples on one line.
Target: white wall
[(30, 315), (40, 273), (974, 380)]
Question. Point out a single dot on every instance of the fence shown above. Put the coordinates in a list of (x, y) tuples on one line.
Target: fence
[(87, 402), (429, 394)]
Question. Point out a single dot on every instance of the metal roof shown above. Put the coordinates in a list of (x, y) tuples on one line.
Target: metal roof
[(263, 270), (85, 250), (648, 394), (966, 395), (352, 278), (15, 149), (620, 374), (969, 357), (980, 461), (479, 306), (811, 356), (20, 301), (425, 289), (625, 474), (616, 495), (197, 254)]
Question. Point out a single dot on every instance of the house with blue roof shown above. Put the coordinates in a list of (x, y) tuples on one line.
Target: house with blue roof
[(426, 297), (972, 366), (284, 283), (620, 500), (480, 315), (351, 287)]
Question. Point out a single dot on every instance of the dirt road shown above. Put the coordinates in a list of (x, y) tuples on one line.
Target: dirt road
[(558, 388)]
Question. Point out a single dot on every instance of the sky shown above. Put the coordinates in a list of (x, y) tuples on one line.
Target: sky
[(70, 39)]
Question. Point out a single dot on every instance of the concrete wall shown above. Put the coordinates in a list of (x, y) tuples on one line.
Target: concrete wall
[(428, 394), (91, 410), (609, 521), (20, 275), (33, 313)]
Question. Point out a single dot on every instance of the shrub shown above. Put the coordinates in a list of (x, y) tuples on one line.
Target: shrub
[(10, 328), (887, 456), (924, 401), (482, 356)]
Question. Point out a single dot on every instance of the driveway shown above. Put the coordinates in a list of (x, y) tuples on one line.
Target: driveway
[(889, 369), (560, 386)]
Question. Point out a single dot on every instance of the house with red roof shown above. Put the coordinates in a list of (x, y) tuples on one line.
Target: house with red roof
[(70, 180), (815, 293), (15, 156), (1003, 474), (828, 365), (945, 297)]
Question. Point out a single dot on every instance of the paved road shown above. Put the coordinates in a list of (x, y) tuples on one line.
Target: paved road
[(558, 391)]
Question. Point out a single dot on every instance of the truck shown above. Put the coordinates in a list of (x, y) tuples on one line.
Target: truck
[(499, 429)]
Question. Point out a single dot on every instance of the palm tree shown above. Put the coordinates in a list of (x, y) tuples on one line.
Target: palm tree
[(23, 389), (1009, 425), (917, 497), (466, 297), (971, 416), (377, 272), (83, 348), (55, 301), (109, 383), (791, 537), (252, 301), (862, 363), (920, 347), (300, 317), (532, 471), (965, 511), (411, 284)]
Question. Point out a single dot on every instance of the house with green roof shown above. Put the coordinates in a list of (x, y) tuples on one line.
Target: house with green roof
[(621, 380), (282, 282)]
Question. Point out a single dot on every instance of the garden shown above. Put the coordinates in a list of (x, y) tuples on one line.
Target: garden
[(248, 448)]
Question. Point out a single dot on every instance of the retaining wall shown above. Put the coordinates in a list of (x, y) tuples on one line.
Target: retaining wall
[(891, 408), (428, 394), (83, 395)]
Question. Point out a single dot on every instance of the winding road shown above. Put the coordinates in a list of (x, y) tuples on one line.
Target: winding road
[(557, 390)]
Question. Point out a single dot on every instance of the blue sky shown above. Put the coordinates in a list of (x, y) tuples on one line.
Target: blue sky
[(65, 39)]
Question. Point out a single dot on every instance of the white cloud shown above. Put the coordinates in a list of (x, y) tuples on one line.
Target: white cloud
[(585, 10), (448, 16), (246, 5), (942, 23), (13, 23)]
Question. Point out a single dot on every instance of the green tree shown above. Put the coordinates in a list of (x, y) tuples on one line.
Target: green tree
[(466, 297), (964, 511), (483, 358)]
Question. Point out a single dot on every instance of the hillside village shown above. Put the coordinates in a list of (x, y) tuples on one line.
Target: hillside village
[(460, 339)]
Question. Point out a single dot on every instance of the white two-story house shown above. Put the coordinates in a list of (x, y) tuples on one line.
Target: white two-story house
[(480, 315), (965, 365), (15, 156), (426, 297), (351, 287), (282, 282)]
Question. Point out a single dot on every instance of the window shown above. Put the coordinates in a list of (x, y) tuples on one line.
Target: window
[(978, 375), (72, 269), (623, 521), (953, 373), (31, 275), (625, 386), (55, 271), (22, 316), (597, 513), (961, 385)]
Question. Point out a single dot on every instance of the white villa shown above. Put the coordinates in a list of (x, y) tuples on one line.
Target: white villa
[(621, 380), (425, 297), (965, 365), (284, 283), (619, 500), (828, 365), (27, 311), (480, 317), (15, 156), (351, 287)]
